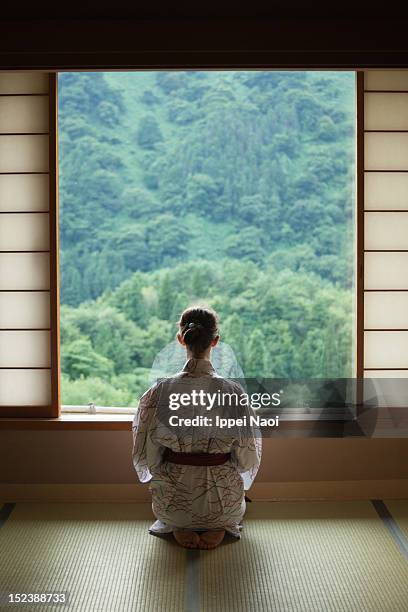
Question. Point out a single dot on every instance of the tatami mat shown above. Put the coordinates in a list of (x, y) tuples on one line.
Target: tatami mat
[(293, 557), (307, 556), (399, 511), (101, 554)]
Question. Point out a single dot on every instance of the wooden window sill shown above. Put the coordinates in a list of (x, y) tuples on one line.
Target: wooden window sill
[(71, 421), (295, 426)]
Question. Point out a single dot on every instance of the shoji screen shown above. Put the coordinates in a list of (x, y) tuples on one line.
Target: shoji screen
[(29, 380), (383, 216)]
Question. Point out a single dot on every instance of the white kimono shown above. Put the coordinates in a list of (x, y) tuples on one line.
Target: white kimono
[(186, 496)]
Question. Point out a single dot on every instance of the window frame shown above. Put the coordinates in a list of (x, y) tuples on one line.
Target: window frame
[(45, 417), (359, 264), (55, 363), (51, 410)]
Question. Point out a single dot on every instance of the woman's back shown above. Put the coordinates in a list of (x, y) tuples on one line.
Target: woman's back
[(188, 443), (190, 406)]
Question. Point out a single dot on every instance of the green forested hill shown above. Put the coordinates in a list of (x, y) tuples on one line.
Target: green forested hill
[(233, 188)]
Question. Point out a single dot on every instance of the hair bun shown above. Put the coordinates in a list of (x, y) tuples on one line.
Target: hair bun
[(198, 328)]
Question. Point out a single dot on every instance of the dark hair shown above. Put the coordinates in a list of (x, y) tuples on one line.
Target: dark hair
[(198, 328)]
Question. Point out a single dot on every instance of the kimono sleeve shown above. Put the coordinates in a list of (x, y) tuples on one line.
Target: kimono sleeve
[(145, 452), (247, 451)]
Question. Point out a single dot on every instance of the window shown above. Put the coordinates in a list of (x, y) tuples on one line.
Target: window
[(232, 188), (138, 167)]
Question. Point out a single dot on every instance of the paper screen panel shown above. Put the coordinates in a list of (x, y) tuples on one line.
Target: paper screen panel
[(386, 190), (24, 192), (386, 271), (24, 309), (24, 114), (24, 153), (386, 111), (24, 349), (24, 271), (386, 374), (24, 232), (25, 388), (386, 310), (387, 231), (386, 151), (24, 82), (386, 349), (394, 80), (386, 391)]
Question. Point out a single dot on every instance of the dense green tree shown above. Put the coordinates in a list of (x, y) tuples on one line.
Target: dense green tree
[(233, 189), (202, 193), (148, 133), (166, 297), (129, 300), (111, 334), (97, 391), (139, 202), (80, 359), (256, 355), (166, 238), (233, 333), (247, 244)]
